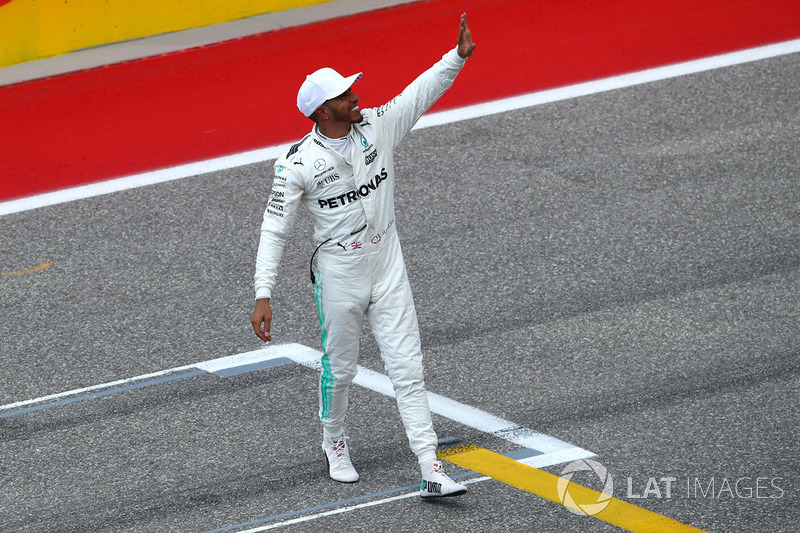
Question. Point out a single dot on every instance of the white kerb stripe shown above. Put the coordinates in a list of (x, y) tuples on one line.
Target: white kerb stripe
[(550, 447), (432, 119)]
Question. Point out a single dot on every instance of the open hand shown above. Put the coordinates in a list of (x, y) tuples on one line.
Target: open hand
[(465, 44)]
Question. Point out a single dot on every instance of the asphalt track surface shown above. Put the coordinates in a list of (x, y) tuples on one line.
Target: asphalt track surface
[(618, 271)]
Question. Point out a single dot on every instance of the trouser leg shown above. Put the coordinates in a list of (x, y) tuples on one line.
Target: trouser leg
[(393, 320), (341, 307)]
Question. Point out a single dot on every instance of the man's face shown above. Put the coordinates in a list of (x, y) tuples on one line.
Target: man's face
[(344, 108)]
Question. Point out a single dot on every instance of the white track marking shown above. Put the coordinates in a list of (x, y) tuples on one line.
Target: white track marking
[(609, 84), (140, 180), (214, 365), (211, 366), (550, 447), (349, 508), (551, 450), (432, 119), (110, 384), (275, 351)]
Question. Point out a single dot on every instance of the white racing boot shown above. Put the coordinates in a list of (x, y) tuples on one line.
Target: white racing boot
[(436, 484), (338, 457)]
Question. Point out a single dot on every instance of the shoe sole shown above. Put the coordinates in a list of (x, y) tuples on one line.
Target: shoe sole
[(437, 496)]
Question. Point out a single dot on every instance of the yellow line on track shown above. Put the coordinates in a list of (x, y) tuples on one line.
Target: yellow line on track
[(40, 267), (617, 512)]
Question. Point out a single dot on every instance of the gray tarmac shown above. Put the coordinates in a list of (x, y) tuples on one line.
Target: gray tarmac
[(620, 271)]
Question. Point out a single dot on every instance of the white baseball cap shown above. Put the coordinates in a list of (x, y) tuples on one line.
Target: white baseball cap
[(320, 86)]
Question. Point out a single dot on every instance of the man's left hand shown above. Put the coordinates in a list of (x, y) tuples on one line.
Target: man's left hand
[(465, 44)]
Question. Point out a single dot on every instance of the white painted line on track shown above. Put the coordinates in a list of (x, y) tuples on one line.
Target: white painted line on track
[(323, 514), (551, 449), (275, 351), (332, 512), (139, 180), (548, 450), (609, 84), (433, 119), (76, 392), (211, 366)]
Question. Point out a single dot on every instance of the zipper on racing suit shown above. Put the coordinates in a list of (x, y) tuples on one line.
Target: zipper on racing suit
[(311, 262)]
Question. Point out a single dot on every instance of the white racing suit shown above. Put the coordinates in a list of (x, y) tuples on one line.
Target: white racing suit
[(360, 269)]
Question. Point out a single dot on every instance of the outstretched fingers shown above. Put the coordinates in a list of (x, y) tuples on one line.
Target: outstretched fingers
[(465, 44)]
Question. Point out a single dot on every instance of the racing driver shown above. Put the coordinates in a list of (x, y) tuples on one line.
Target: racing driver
[(343, 174)]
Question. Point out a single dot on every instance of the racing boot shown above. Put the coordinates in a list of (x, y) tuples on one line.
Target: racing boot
[(338, 458), (436, 484)]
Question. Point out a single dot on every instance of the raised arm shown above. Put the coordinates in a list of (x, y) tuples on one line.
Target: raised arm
[(399, 115)]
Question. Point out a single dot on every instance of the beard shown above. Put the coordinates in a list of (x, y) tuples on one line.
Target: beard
[(350, 116)]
